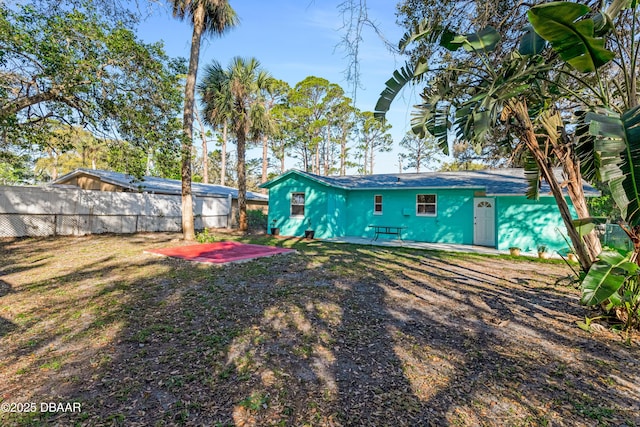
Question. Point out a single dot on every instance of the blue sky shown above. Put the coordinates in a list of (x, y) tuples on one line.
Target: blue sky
[(294, 39)]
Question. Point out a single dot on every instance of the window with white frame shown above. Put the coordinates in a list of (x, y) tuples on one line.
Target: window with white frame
[(297, 205), (377, 205), (426, 204)]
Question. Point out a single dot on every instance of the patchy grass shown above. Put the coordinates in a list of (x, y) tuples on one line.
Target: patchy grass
[(335, 334)]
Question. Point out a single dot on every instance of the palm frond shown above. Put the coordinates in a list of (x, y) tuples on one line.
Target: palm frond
[(393, 86)]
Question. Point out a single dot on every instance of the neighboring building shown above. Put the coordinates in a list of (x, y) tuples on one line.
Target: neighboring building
[(100, 180), (486, 208)]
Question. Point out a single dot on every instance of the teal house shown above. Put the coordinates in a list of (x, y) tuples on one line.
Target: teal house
[(484, 208)]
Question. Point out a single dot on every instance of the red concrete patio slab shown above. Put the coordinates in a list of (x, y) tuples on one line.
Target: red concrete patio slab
[(220, 252)]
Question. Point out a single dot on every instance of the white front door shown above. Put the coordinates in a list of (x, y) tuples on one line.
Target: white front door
[(484, 224)]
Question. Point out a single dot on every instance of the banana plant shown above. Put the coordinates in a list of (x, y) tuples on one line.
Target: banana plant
[(608, 141), (474, 98), (606, 277), (572, 38)]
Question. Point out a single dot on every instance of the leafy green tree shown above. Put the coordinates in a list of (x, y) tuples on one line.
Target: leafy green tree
[(420, 151), (77, 68), (310, 104), (215, 168), (15, 167), (374, 137), (343, 121), (240, 87), (266, 123), (280, 143), (69, 148), (80, 67), (206, 16)]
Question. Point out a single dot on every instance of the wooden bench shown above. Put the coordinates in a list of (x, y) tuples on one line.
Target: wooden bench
[(386, 229)]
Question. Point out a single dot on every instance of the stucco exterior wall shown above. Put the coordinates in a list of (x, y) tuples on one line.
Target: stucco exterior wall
[(325, 208), (453, 222), (529, 223), (334, 212)]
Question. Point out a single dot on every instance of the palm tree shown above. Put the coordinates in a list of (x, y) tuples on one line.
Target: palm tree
[(236, 91), (216, 111), (267, 126), (207, 16)]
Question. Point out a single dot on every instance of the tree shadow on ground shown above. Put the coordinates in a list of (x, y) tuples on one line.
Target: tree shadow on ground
[(333, 335)]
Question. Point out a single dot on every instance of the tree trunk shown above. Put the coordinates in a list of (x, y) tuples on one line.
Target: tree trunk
[(519, 109), (223, 165), (371, 160), (147, 171), (562, 148), (343, 156), (205, 151), (242, 182), (265, 161), (265, 158), (576, 194), (305, 159), (188, 231), (327, 147)]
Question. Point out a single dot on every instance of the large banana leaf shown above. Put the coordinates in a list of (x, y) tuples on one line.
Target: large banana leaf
[(586, 225), (617, 140), (486, 39), (531, 43), (585, 150), (571, 37), (605, 277)]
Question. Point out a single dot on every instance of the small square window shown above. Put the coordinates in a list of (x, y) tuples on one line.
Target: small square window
[(426, 204), (377, 205), (297, 204)]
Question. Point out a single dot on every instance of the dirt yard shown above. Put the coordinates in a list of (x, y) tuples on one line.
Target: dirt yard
[(331, 335)]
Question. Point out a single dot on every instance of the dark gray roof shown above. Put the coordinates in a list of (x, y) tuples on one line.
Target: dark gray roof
[(152, 184), (492, 181)]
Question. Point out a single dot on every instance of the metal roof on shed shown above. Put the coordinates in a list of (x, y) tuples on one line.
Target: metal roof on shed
[(152, 184), (510, 182)]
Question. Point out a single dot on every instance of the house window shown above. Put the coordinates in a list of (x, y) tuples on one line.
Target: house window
[(297, 204), (377, 205), (426, 204)]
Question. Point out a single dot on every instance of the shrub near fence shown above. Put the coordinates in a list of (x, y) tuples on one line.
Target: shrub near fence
[(47, 211)]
